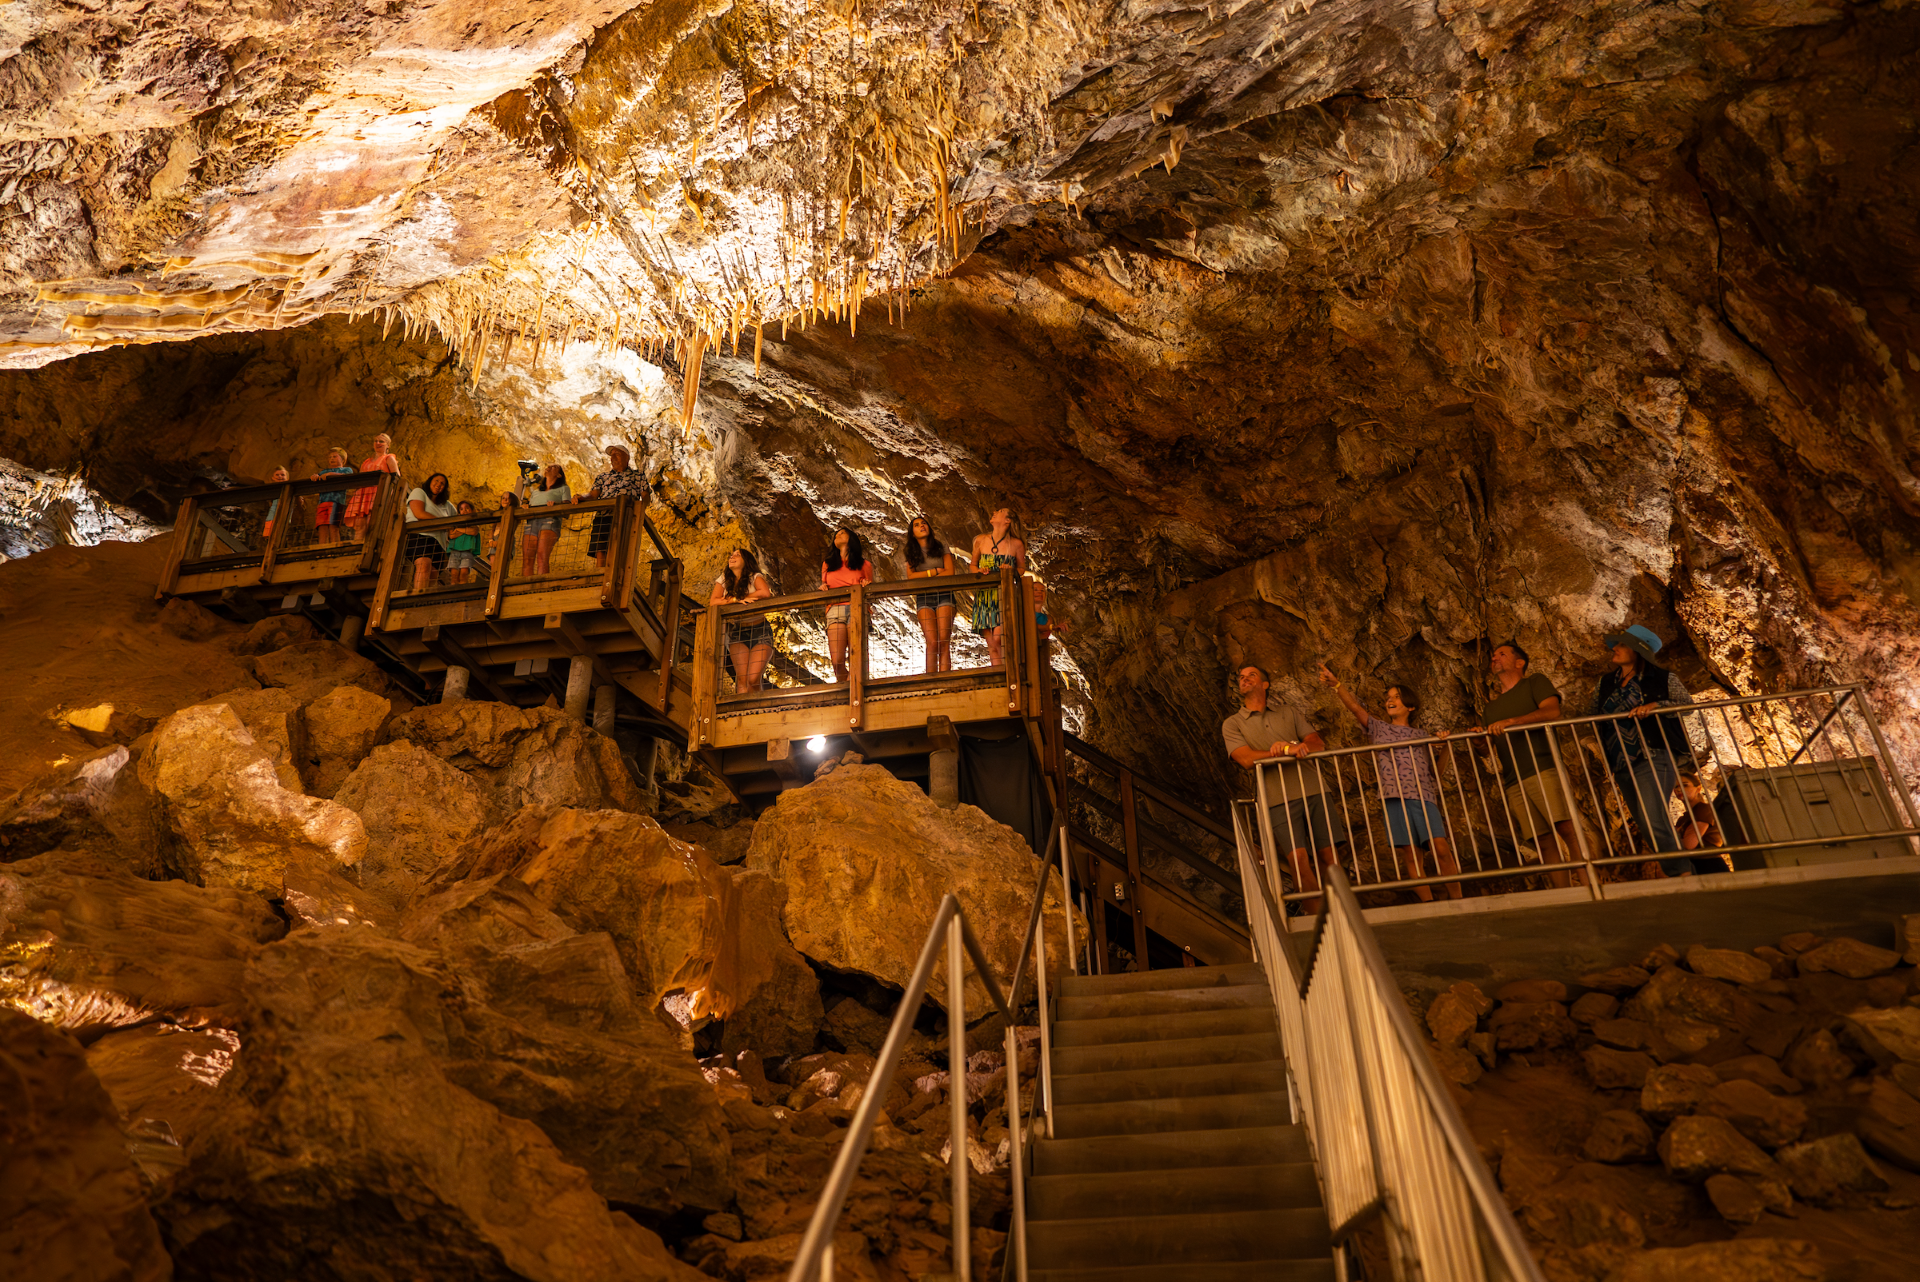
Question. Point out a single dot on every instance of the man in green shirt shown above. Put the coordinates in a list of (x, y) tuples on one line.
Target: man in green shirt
[(1297, 805), (1536, 799)]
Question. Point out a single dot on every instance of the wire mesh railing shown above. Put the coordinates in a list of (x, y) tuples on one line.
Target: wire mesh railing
[(1716, 785), (1390, 1146)]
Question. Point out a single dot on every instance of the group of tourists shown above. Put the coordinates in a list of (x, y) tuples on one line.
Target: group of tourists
[(1648, 756), (846, 563), (455, 556)]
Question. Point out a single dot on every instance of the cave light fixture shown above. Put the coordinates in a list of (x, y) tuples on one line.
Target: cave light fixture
[(817, 744)]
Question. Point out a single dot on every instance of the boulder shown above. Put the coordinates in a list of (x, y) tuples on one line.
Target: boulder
[(1476, 1001), (1619, 1135), (1457, 1064), (1524, 1026), (1817, 1060), (1728, 964), (1890, 1124), (1673, 1089), (1767, 1119), (356, 1131), (229, 819), (1741, 1260), (1895, 1030), (724, 845), (661, 900), (273, 716), (868, 858), (190, 622), (1615, 1070), (855, 1027), (92, 949), (480, 917), (277, 632), (1532, 990), (164, 1075), (1907, 936), (1450, 1019), (1799, 942), (1620, 979), (418, 812), (317, 895), (524, 756), (1591, 1008), (1830, 1170), (71, 1203), (94, 804), (1738, 1202), (319, 665), (1676, 994), (762, 987), (1848, 957), (1762, 1070), (342, 727), (1695, 1147)]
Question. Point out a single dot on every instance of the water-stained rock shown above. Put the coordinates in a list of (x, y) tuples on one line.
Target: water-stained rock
[(230, 819), (867, 859), (524, 756), (71, 1204)]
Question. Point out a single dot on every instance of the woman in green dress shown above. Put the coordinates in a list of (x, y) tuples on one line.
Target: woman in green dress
[(998, 547)]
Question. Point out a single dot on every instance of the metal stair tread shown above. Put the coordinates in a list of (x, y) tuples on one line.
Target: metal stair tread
[(1313, 1269), (1143, 981), (1270, 1186), (1161, 1001), (1167, 1027), (1172, 1150), (1182, 1081), (1108, 1057), (1193, 1236), (1180, 1113)]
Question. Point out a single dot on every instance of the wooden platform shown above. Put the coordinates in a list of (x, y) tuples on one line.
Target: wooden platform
[(606, 589)]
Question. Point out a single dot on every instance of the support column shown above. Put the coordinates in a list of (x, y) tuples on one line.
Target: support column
[(579, 686), (603, 703), (351, 629), (455, 688), (943, 777)]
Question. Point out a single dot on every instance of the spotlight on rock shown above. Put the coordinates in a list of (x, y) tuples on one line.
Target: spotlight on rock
[(817, 744)]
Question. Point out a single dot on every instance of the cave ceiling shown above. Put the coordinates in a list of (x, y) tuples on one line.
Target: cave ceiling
[(1361, 329)]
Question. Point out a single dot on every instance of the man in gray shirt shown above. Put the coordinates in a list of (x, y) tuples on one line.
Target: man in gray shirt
[(1259, 734)]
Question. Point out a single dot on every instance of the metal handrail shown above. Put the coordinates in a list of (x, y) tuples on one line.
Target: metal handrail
[(1355, 1057), (814, 1260)]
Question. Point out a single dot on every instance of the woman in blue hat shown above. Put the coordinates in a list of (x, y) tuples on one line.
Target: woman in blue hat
[(1647, 754)]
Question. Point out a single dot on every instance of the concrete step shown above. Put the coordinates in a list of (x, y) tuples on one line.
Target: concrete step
[(1132, 1240), (1144, 981), (1150, 1116), (1183, 1081), (1164, 1028), (1203, 1188), (1161, 1001), (1217, 1271), (1172, 1151), (1241, 1048)]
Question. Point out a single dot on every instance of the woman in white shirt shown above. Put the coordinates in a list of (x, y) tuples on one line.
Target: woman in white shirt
[(428, 551), (540, 534)]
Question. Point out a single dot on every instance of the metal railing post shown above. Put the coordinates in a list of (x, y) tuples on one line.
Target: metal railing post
[(1046, 1034), (1886, 759), (957, 1100), (1066, 896), (1574, 817), (1015, 1122)]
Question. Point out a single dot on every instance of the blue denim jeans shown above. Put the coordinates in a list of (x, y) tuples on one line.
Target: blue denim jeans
[(1645, 788)]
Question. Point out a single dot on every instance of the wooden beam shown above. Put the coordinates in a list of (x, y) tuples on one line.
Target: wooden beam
[(780, 761), (205, 518), (561, 629), (183, 526), (282, 513), (940, 734), (454, 655), (857, 623), (669, 652), (728, 729)]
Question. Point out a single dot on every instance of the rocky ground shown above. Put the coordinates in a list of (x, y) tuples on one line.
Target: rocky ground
[(301, 980), (1705, 1114)]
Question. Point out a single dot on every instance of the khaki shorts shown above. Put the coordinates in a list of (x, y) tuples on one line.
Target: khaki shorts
[(1537, 803)]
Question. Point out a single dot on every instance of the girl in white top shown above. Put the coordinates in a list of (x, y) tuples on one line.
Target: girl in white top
[(540, 534), (428, 551)]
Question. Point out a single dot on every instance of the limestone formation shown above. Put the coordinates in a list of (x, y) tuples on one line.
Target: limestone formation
[(342, 727), (71, 1204), (866, 860), (230, 819), (524, 756), (770, 996), (418, 812)]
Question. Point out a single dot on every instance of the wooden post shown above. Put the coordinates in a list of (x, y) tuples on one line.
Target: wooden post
[(183, 534), (1097, 901), (856, 656), (1033, 671), (1010, 634), (502, 559), (605, 705), (282, 508), (389, 566), (706, 676), (1130, 830), (669, 638), (616, 551)]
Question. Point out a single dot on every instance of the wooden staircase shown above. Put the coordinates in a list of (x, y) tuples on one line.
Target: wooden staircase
[(1174, 1154)]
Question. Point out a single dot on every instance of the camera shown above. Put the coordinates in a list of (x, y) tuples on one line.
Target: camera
[(528, 467)]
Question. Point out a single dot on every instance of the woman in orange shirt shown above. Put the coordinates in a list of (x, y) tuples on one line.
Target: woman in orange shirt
[(846, 565), (360, 502)]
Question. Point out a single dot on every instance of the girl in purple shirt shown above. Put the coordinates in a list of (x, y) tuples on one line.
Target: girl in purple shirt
[(1408, 793)]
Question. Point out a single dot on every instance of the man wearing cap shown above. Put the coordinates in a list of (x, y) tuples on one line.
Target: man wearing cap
[(619, 478), (1297, 805), (1535, 798), (1647, 750)]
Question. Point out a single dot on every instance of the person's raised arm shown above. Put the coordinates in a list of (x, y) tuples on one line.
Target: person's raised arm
[(1353, 705)]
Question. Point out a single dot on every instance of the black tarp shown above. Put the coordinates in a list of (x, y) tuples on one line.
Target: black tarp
[(998, 776)]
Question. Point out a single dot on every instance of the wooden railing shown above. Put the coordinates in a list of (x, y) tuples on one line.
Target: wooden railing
[(1020, 686), (269, 534)]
